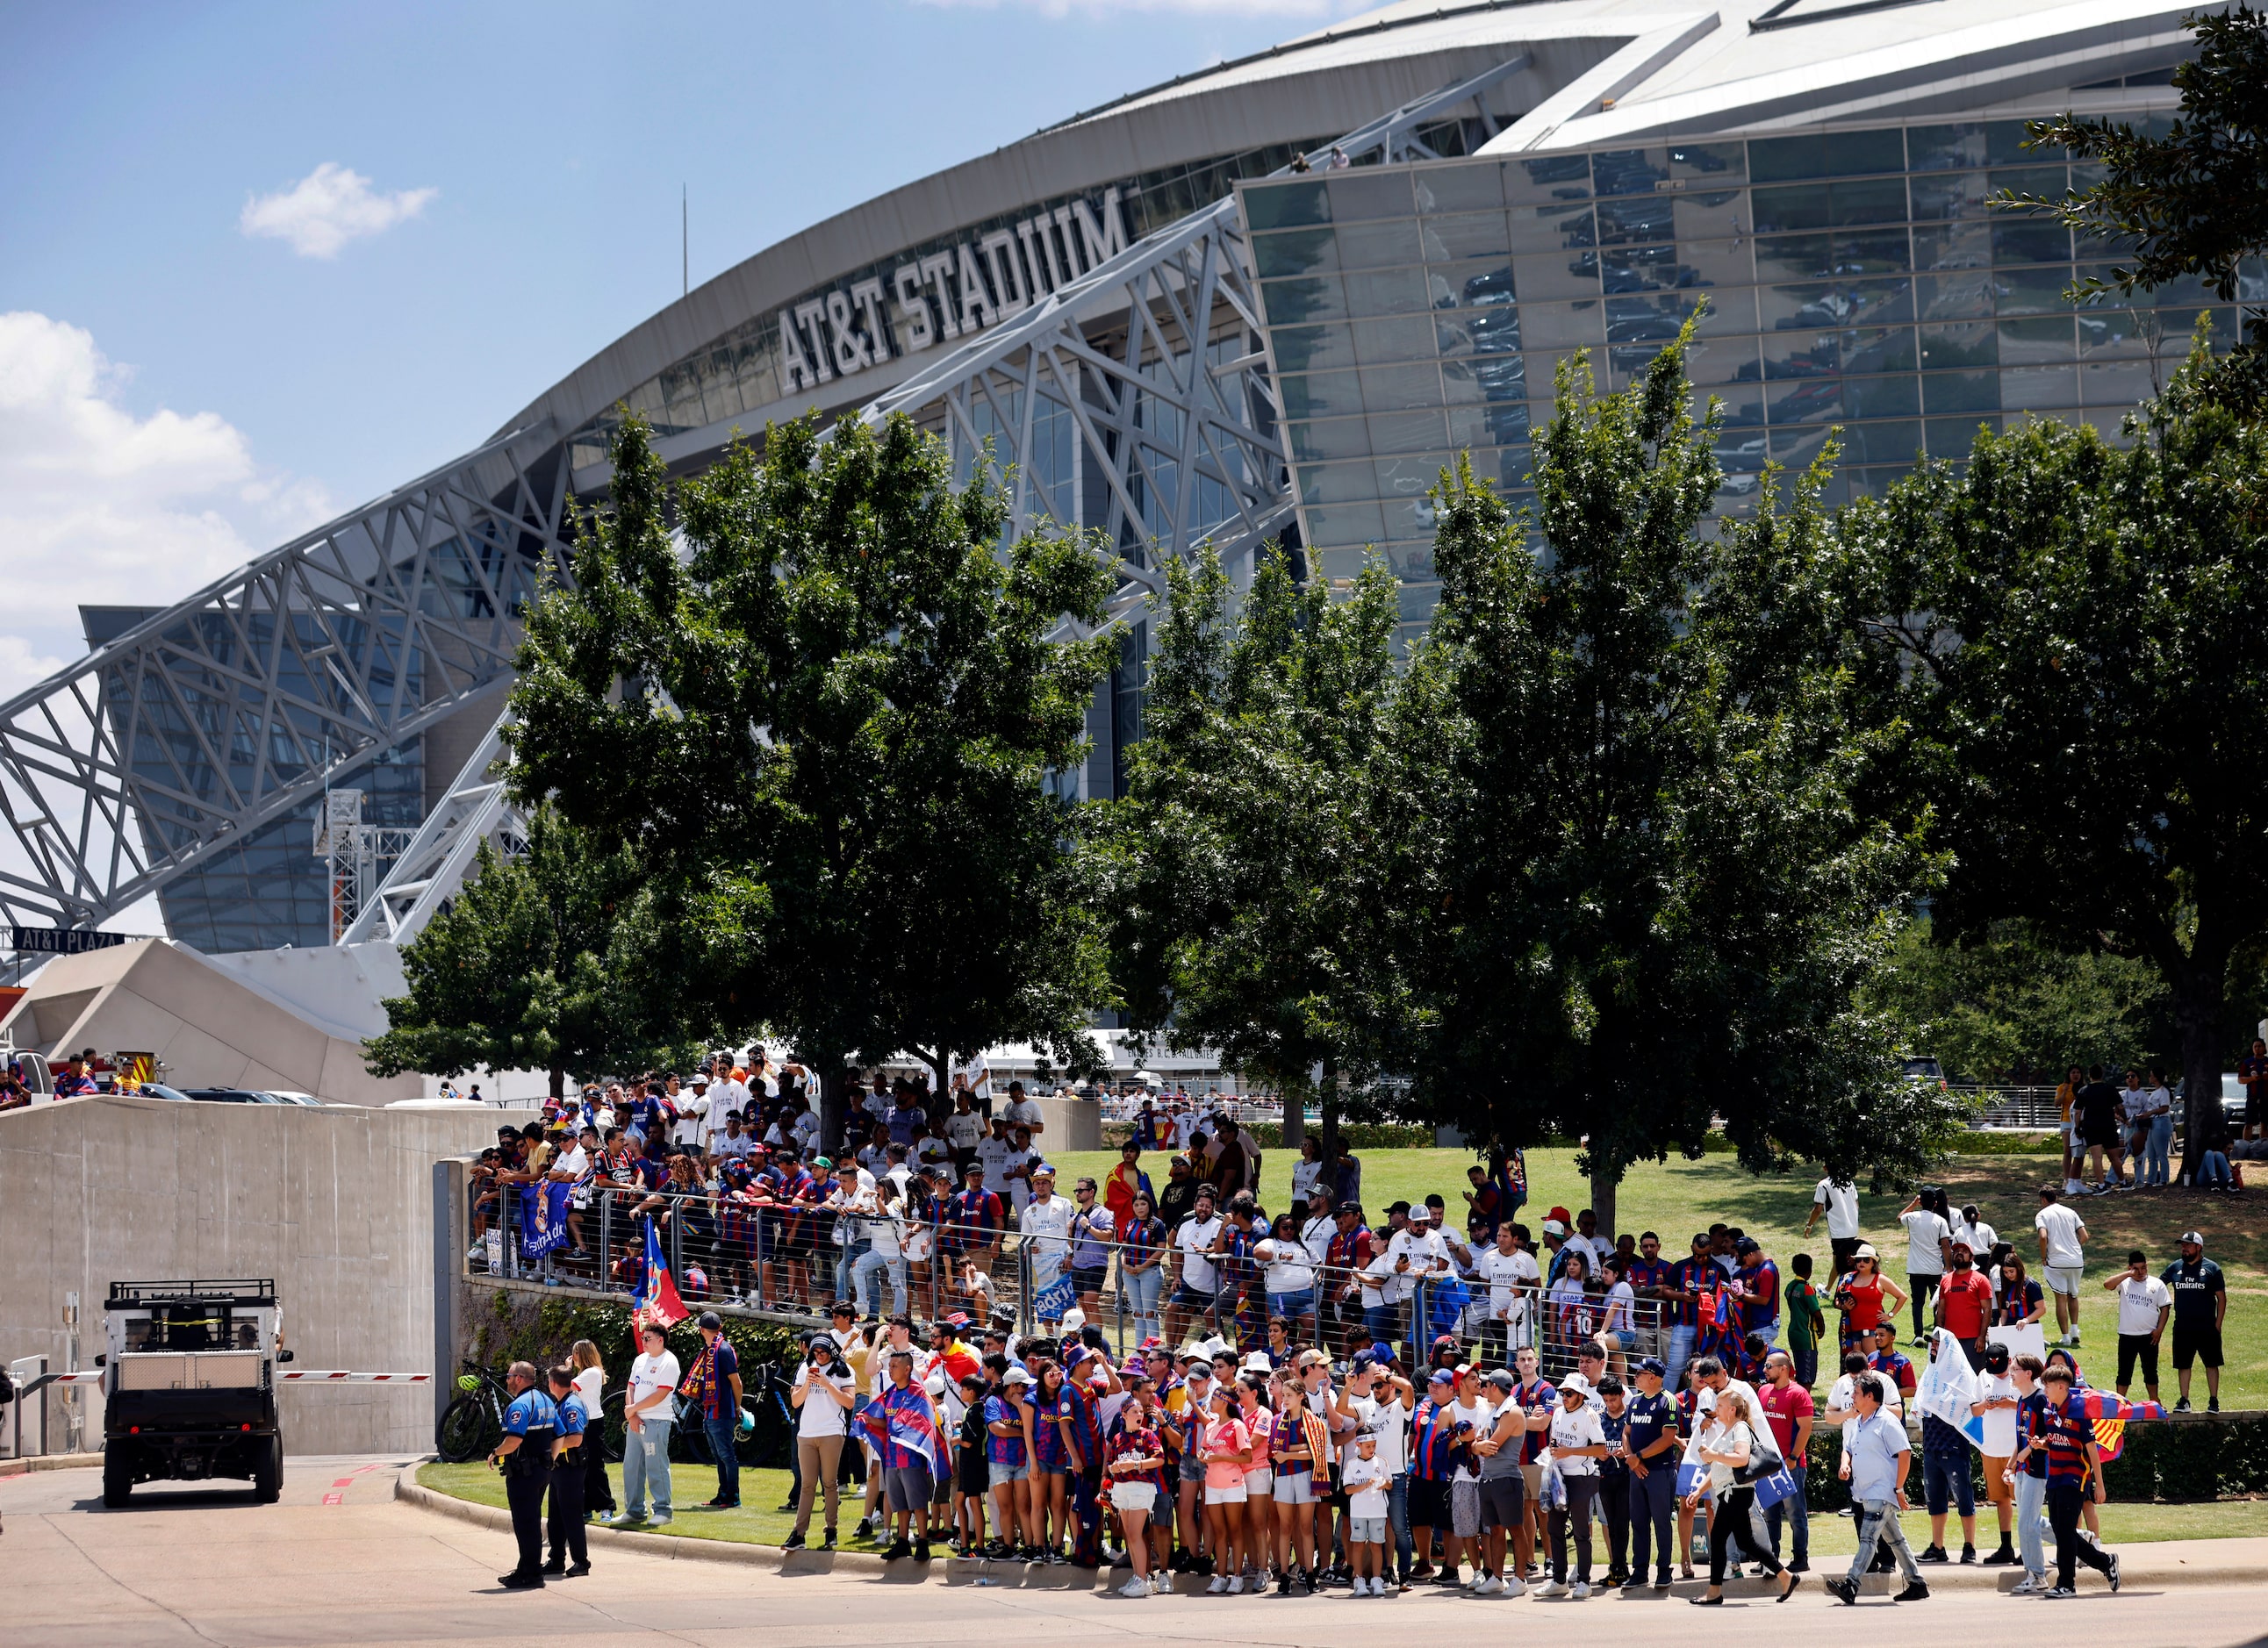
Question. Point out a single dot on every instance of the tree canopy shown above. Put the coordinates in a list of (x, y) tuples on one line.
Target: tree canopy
[(819, 697), (1656, 900)]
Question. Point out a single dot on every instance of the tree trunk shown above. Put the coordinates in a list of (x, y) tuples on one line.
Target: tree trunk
[(1295, 1110), (940, 1098), (1603, 1185), (2198, 997), (833, 1102), (1330, 1130), (558, 1083)]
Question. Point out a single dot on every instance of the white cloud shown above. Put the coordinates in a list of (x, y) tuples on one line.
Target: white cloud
[(100, 506), (328, 208)]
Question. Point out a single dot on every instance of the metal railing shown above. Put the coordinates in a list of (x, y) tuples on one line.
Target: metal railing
[(791, 1264)]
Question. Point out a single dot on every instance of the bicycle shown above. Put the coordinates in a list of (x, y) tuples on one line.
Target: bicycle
[(472, 1424)]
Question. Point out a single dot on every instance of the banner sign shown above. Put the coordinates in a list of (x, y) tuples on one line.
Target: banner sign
[(65, 940)]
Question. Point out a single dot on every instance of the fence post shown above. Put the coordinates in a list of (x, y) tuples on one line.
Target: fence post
[(605, 1239), (676, 1246), (1025, 1321)]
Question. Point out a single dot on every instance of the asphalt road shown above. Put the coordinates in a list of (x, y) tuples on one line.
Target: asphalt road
[(339, 1561)]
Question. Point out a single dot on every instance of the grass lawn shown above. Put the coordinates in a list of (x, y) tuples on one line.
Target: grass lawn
[(756, 1523), (1679, 1198)]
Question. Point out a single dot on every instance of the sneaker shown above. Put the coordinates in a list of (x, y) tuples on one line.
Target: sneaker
[(1448, 1581), (2182, 1406), (1480, 1577), (1582, 1590), (1551, 1588), (662, 1519), (2025, 1586), (1915, 1592), (1842, 1591), (897, 1550), (1134, 1588), (921, 1550), (793, 1542), (1423, 1571), (1161, 1585), (2074, 1336), (1967, 1556), (1932, 1554), (2004, 1557), (2213, 1404), (828, 1542), (2114, 1573), (1219, 1586), (1661, 1580), (2060, 1593), (1490, 1586), (1236, 1585), (1514, 1586), (1283, 1584)]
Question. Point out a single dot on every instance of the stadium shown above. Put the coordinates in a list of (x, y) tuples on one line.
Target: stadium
[(1267, 300)]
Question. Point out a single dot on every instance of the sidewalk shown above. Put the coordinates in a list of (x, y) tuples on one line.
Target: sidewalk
[(2150, 1566)]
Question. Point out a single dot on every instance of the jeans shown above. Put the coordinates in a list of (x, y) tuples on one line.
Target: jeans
[(863, 1272), (2213, 1168), (2065, 1496), (1792, 1509), (1681, 1352), (1878, 1523), (1652, 1508), (844, 1264), (2156, 1168), (1575, 1517), (645, 1459), (723, 1434), (1945, 1481), (1382, 1323), (1397, 1513), (2031, 1504), (1139, 1291)]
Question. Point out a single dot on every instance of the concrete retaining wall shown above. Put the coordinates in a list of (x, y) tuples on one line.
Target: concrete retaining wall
[(335, 1204)]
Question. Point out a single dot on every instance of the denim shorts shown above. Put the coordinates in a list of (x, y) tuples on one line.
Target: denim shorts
[(1189, 1299), (1048, 1468), (1003, 1475), (1192, 1468), (1366, 1530), (1291, 1304)]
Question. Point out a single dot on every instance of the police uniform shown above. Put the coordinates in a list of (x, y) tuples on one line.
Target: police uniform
[(567, 1543), (534, 1419)]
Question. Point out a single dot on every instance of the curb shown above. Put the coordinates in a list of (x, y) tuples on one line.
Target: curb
[(1031, 1576), (49, 1461)]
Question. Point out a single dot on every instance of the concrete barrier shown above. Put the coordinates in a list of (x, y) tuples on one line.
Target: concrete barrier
[(335, 1204)]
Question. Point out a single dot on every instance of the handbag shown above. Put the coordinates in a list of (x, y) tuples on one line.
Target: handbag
[(1761, 1461)]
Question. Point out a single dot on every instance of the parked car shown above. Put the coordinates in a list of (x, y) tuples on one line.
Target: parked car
[(1925, 1072), (232, 1095), (282, 1095)]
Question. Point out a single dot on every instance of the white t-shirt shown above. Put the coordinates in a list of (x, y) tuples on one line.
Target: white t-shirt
[(1924, 1230), (2061, 1225), (1377, 1281), (1026, 1112), (1505, 1272), (2140, 1303), (992, 1153), (648, 1374), (1980, 1237), (1841, 1201), (1289, 1270), (963, 1131), (1047, 1227), (591, 1385), (1579, 1429), (818, 1416), (1999, 1422), (1842, 1397), (1367, 1481), (1019, 1190), (572, 1162), (1185, 1128), (1622, 1304), (1304, 1175), (1705, 1404), (1422, 1251), (1391, 1420), (1482, 1417), (1195, 1238)]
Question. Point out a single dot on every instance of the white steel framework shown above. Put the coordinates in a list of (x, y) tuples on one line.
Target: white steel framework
[(241, 704)]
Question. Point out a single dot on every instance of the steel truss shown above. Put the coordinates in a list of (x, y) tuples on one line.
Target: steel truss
[(1158, 357), (239, 705)]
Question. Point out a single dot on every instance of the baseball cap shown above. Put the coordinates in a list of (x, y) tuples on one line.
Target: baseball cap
[(1654, 1366), (1555, 1227), (822, 1161), (709, 1320), (1442, 1376), (1500, 1377), (1561, 1214), (1016, 1376), (2190, 1238), (1748, 1244)]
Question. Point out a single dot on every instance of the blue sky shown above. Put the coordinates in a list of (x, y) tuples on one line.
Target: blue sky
[(259, 262)]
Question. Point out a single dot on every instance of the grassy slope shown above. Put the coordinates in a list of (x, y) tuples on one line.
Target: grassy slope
[(1680, 1197)]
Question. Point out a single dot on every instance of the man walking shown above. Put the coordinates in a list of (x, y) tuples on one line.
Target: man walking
[(531, 1424), (2063, 1255), (1788, 1406), (1875, 1459)]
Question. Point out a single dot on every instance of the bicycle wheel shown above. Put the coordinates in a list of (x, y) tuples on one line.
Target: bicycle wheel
[(468, 1428), (609, 1429)]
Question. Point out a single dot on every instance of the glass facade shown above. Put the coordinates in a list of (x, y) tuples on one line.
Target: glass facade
[(1853, 278)]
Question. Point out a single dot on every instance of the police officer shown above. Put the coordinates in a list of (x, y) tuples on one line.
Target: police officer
[(531, 1426), (570, 1557)]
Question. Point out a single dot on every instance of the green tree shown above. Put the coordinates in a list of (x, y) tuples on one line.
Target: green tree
[(2006, 1005), (2191, 203), (2082, 677), (1250, 870), (826, 721), (1656, 900), (515, 974)]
